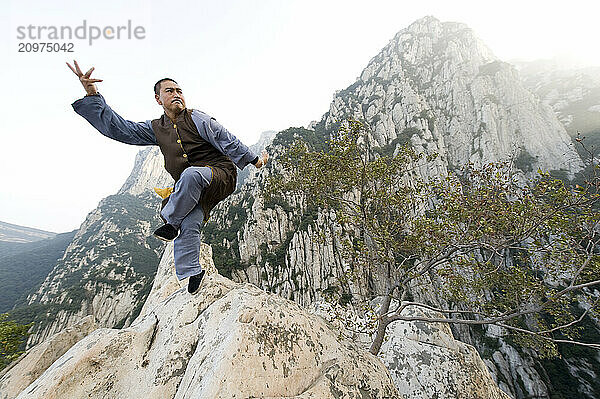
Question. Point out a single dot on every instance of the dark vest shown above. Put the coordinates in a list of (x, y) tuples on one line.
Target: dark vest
[(182, 146)]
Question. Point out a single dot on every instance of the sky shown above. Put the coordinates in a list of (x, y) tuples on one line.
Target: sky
[(253, 65)]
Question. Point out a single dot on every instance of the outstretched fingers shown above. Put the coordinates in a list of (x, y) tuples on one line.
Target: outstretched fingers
[(79, 73), (77, 70), (85, 78), (72, 69)]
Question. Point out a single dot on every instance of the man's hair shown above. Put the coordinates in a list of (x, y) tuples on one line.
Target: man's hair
[(157, 84)]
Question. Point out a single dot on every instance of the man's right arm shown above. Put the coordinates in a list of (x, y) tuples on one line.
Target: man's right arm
[(95, 110)]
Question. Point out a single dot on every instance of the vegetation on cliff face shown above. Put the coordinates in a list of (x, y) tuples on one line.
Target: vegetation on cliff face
[(112, 252), (499, 251), (23, 270), (12, 338)]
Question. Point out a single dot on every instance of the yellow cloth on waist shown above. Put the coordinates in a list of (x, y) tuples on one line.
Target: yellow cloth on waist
[(163, 192)]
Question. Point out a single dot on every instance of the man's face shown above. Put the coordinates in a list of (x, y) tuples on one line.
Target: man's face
[(170, 97)]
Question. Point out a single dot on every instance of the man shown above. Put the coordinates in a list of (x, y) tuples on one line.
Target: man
[(199, 154)]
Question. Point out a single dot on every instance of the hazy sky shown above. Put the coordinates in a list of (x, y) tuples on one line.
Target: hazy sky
[(253, 65)]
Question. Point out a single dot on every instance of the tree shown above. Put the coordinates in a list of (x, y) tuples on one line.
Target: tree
[(500, 250), (12, 336)]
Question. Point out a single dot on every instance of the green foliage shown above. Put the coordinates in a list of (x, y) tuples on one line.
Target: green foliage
[(430, 117), (275, 257), (405, 136), (521, 253), (277, 200), (502, 252), (388, 149), (313, 138), (12, 337), (308, 217)]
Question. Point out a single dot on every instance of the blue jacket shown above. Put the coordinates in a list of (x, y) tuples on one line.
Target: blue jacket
[(214, 141), (100, 115)]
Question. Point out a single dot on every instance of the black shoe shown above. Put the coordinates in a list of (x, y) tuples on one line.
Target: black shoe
[(194, 282), (166, 232)]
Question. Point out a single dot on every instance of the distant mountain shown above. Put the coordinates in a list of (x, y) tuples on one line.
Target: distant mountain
[(108, 268), (24, 269), (14, 233), (573, 94), (265, 139), (437, 87)]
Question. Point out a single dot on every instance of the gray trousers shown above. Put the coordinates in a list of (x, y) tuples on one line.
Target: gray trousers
[(183, 211)]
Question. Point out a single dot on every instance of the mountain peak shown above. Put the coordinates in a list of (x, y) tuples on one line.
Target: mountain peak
[(428, 20), (439, 87)]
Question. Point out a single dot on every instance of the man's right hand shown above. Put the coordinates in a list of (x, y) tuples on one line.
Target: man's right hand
[(262, 160), (88, 83)]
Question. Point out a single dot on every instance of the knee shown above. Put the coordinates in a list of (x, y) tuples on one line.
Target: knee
[(187, 175), (200, 175)]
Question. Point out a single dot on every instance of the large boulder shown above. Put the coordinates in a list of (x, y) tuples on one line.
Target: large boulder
[(228, 341), (36, 360), (425, 361)]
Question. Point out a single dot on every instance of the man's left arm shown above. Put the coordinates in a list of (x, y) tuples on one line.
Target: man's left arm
[(222, 140)]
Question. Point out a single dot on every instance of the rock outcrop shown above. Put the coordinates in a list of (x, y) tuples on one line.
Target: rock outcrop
[(437, 87), (23, 371), (109, 266), (230, 340), (572, 92), (425, 361)]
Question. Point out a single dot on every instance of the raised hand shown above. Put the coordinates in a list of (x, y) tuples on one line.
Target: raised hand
[(89, 84), (262, 160)]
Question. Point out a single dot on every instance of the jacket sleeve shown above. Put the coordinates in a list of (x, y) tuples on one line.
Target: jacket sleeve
[(212, 131), (95, 110)]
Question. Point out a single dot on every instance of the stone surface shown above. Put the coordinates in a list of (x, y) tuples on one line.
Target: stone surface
[(36, 360), (113, 254), (425, 361), (439, 88), (230, 340)]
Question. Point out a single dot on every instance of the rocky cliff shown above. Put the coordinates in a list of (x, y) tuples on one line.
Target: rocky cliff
[(437, 87), (22, 372), (233, 340), (434, 85), (573, 94), (230, 340), (108, 268)]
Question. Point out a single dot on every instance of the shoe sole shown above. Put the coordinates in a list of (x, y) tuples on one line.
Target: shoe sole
[(162, 238), (199, 286), (197, 291)]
